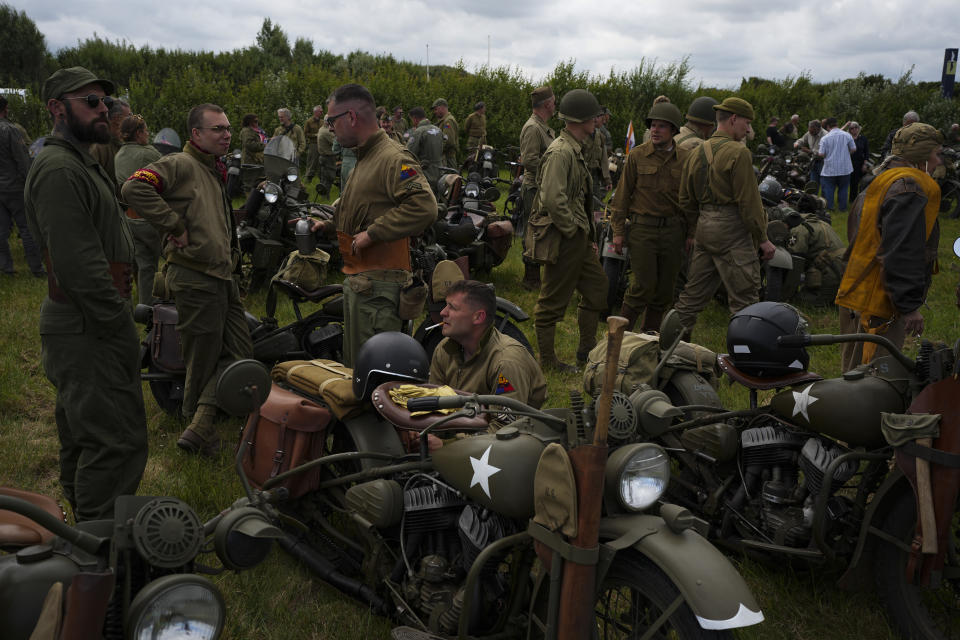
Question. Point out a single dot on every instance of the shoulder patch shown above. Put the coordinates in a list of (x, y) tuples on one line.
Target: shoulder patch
[(503, 385), (150, 177), (407, 172)]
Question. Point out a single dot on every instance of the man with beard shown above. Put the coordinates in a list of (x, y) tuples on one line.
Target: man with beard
[(90, 344), (648, 195), (183, 196)]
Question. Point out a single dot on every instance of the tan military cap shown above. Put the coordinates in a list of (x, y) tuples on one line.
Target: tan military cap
[(736, 105), (541, 93), (439, 102)]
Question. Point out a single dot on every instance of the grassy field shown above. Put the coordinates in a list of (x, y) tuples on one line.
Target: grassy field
[(279, 599)]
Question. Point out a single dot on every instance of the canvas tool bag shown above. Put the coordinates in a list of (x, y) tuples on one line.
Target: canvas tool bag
[(290, 432), (638, 359), (327, 379)]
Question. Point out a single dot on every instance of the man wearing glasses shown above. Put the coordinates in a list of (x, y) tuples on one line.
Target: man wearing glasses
[(386, 201), (90, 344), (183, 195)]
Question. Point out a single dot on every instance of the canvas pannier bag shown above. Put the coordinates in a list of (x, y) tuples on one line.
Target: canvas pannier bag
[(638, 359)]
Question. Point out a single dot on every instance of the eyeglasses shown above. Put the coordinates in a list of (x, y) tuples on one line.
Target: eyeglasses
[(331, 119), (93, 100), (219, 129)]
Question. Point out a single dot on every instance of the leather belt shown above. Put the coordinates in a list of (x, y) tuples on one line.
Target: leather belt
[(720, 208), (394, 255), (120, 272), (653, 221)]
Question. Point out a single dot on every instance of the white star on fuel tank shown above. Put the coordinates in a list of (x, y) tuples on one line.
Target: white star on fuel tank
[(802, 402), (482, 470)]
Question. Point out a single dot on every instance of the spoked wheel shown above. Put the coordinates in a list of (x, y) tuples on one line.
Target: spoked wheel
[(921, 613), (634, 594)]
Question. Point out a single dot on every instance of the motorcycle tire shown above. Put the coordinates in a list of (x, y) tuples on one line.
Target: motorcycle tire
[(617, 283), (634, 593), (512, 330), (920, 613), (168, 394)]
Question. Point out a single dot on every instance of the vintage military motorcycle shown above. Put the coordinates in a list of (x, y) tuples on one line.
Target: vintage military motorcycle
[(445, 540), (136, 576), (828, 472)]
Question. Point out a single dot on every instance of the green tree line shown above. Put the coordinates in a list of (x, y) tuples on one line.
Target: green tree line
[(163, 84)]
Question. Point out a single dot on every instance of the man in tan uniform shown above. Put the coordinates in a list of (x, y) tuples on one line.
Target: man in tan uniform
[(451, 132), (648, 195), (310, 130), (386, 200), (535, 137), (701, 121), (718, 190), (562, 234), (475, 126), (475, 356), (328, 159)]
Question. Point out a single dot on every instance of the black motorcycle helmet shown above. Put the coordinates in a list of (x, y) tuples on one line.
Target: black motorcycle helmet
[(388, 356), (752, 340), (770, 191)]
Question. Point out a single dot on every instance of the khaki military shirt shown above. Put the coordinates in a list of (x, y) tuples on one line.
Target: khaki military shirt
[(251, 147), (535, 137), (387, 194), (451, 131), (475, 126), (500, 366), (594, 152), (185, 192), (310, 129), (72, 211), (325, 141), (295, 133), (649, 185), (729, 181), (688, 138), (564, 187)]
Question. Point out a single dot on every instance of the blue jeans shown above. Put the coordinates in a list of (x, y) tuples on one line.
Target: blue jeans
[(832, 184)]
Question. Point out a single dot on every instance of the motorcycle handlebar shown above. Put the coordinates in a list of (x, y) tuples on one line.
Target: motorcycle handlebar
[(826, 338), (86, 541), (432, 403)]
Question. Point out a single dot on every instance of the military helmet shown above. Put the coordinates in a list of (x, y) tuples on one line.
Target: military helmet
[(578, 105), (387, 356), (701, 111), (665, 111), (770, 191)]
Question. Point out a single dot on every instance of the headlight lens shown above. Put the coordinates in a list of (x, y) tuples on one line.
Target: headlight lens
[(292, 174), (177, 607), (644, 477), (271, 193)]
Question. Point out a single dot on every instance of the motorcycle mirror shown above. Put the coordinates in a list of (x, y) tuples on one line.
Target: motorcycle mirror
[(491, 194), (271, 192), (235, 387), (292, 174), (956, 247)]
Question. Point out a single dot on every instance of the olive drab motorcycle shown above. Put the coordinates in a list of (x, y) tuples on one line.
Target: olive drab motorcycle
[(444, 536), (831, 471)]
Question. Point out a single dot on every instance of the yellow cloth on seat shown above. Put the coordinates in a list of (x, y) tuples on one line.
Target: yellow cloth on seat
[(405, 392)]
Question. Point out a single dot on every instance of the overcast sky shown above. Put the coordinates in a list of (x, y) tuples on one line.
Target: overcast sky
[(724, 39)]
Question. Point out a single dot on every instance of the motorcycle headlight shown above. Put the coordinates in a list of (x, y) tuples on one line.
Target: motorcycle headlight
[(488, 155), (244, 538), (176, 607), (292, 174), (637, 475), (271, 193)]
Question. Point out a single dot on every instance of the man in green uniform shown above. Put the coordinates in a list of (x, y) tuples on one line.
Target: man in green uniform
[(426, 144), (291, 130), (183, 195), (106, 152), (310, 130), (400, 124), (251, 152), (474, 356), (701, 121), (90, 344), (475, 126), (386, 123), (596, 154), (14, 165), (386, 201), (451, 132), (649, 197), (535, 137), (328, 159), (718, 190), (561, 233)]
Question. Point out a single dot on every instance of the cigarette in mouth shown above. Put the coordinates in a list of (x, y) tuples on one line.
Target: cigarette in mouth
[(434, 326)]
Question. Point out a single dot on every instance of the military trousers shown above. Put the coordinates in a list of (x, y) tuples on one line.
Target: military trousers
[(327, 173), (723, 252), (371, 303), (99, 413), (656, 255), (313, 161), (147, 245), (578, 269), (213, 331), (12, 211)]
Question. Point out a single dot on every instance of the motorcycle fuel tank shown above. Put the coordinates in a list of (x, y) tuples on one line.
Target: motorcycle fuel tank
[(847, 408), (494, 470)]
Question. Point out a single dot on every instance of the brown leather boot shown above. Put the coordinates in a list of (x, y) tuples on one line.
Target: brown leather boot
[(201, 436), (651, 320), (548, 356), (587, 322), (630, 314), (531, 276)]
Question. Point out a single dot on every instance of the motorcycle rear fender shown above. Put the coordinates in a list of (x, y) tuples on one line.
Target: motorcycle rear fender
[(894, 486), (511, 309), (711, 586), (370, 433), (781, 259)]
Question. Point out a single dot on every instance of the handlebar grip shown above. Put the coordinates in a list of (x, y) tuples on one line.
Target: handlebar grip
[(432, 403), (794, 341)]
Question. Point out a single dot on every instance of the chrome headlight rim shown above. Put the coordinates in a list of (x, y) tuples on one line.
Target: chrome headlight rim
[(292, 174), (271, 192), (637, 475), (167, 593)]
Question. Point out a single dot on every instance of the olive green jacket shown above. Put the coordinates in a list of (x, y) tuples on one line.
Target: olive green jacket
[(133, 156), (426, 144), (687, 138), (535, 137), (564, 187), (387, 194), (311, 128), (451, 130), (295, 134), (251, 147), (104, 153), (475, 126), (73, 214), (325, 141), (501, 365), (727, 181), (185, 192), (649, 185)]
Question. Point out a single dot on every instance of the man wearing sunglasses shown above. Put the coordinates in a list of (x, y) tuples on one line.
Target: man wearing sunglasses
[(183, 195), (90, 344)]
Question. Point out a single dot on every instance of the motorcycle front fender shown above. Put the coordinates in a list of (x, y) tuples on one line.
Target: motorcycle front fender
[(709, 583), (372, 434), (781, 259), (513, 310)]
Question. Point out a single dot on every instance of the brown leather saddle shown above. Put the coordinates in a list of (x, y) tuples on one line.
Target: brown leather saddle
[(19, 531), (401, 418)]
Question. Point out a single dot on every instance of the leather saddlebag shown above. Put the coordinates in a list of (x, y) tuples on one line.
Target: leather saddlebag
[(290, 432), (165, 350)]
